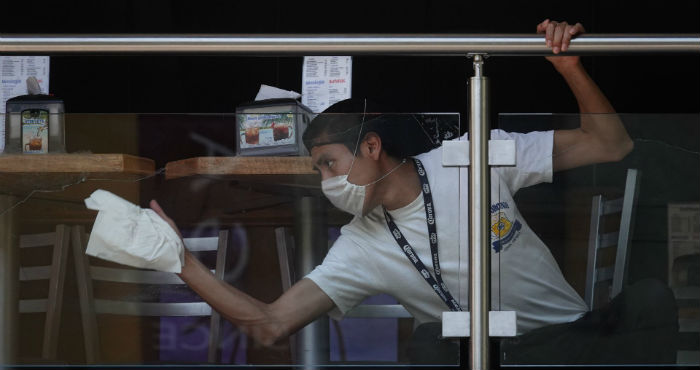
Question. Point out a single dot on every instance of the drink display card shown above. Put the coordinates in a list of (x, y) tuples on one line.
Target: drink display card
[(35, 131), (261, 130)]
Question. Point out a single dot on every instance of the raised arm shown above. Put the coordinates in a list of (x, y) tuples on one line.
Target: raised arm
[(266, 323), (601, 137)]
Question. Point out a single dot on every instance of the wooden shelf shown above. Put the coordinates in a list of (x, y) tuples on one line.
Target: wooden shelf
[(118, 165), (20, 174), (242, 166)]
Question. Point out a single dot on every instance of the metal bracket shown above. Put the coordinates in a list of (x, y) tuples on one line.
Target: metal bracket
[(501, 324), (482, 55), (455, 153)]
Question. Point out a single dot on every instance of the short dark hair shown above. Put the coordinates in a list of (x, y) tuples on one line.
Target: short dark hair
[(341, 123)]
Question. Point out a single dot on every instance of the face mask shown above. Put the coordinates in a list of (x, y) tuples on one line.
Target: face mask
[(344, 195), (349, 197)]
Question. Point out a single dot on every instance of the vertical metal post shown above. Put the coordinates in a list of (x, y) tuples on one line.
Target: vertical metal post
[(311, 241), (479, 234), (9, 272)]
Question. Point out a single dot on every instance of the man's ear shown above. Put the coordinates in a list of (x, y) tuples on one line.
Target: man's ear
[(373, 145)]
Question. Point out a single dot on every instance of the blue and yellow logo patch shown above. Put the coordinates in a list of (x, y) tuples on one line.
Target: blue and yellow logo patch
[(503, 230)]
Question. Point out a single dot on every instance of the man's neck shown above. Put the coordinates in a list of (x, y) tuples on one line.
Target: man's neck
[(401, 187)]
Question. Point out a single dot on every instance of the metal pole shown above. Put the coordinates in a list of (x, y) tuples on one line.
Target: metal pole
[(479, 234), (311, 242), (306, 44)]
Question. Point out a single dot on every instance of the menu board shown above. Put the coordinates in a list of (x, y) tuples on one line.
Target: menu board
[(325, 81)]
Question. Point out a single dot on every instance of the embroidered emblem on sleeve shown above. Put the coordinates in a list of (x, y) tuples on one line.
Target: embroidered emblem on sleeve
[(503, 230)]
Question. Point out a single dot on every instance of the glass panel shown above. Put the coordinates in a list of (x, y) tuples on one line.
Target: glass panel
[(560, 270), (243, 192)]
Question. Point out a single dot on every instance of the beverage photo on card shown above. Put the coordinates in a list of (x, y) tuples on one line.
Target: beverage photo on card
[(263, 130), (35, 131)]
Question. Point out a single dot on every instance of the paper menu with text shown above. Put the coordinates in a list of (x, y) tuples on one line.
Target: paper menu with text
[(325, 81), (14, 71)]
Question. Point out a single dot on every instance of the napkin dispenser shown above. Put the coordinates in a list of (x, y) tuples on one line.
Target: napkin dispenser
[(34, 124)]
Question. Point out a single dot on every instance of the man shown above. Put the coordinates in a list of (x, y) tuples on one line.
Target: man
[(400, 201)]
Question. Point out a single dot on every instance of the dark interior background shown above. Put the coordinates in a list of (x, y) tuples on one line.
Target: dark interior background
[(218, 83)]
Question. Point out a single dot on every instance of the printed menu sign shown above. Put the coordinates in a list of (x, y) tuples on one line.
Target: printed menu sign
[(14, 71), (325, 81)]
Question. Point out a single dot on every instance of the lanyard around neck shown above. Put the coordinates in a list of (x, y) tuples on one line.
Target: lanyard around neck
[(436, 282)]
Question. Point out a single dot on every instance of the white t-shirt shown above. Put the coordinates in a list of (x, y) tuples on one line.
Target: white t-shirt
[(366, 260)]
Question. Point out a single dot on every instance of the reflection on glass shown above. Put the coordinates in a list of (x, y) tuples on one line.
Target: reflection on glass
[(259, 224), (251, 220), (623, 237)]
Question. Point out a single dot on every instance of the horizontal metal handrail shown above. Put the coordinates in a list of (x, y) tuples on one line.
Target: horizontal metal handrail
[(266, 44)]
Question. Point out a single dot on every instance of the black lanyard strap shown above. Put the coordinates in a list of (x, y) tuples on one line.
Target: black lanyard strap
[(436, 282)]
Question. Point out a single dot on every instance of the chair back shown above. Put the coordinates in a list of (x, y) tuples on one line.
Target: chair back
[(600, 271), (149, 282), (55, 273)]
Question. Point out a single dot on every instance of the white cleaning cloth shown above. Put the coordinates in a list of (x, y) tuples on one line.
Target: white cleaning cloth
[(127, 234)]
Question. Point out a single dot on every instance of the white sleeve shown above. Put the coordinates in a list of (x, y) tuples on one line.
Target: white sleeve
[(533, 158), (347, 275)]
